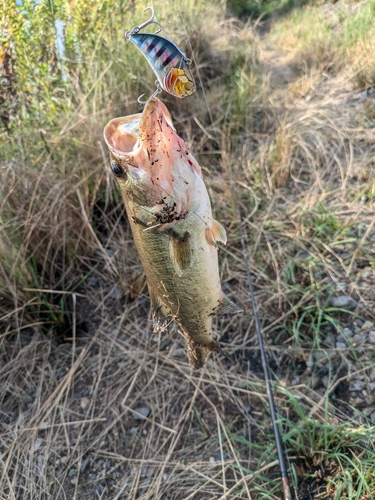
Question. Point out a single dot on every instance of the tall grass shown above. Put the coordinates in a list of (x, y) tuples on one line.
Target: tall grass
[(72, 72)]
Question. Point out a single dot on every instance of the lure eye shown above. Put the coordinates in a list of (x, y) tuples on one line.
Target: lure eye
[(188, 86), (118, 170)]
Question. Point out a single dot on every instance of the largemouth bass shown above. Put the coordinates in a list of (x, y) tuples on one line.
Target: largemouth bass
[(171, 219)]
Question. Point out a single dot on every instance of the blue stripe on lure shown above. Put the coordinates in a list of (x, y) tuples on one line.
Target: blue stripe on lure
[(170, 65)]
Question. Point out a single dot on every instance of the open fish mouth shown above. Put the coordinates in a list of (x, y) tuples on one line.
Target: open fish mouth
[(125, 135)]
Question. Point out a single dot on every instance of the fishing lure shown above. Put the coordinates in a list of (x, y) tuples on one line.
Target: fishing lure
[(170, 65)]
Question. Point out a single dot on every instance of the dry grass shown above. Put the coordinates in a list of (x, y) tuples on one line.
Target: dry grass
[(283, 118), (69, 430)]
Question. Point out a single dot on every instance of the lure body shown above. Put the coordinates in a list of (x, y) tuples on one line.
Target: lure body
[(170, 65)]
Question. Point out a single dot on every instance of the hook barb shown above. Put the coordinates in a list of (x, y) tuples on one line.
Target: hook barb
[(137, 29), (157, 91)]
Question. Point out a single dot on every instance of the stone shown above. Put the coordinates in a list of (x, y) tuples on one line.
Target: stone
[(368, 411), (359, 338), (84, 403), (341, 345), (348, 332), (340, 338), (343, 302), (330, 339), (315, 382), (357, 385), (296, 380), (141, 413), (371, 337), (84, 464), (366, 272), (319, 355), (367, 325)]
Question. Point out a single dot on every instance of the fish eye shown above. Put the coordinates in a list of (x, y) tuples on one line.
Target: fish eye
[(117, 169)]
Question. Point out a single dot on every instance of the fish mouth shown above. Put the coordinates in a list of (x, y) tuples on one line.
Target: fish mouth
[(152, 153), (121, 135), (125, 135)]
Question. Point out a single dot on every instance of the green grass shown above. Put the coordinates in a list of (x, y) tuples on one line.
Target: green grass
[(263, 8)]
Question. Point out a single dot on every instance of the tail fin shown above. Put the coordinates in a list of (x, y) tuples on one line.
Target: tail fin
[(198, 353)]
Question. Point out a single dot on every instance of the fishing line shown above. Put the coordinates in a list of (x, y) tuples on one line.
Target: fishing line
[(276, 430), (198, 72)]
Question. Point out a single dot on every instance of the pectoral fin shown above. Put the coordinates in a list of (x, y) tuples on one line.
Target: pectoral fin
[(180, 252), (227, 307), (219, 232), (159, 313), (216, 233)]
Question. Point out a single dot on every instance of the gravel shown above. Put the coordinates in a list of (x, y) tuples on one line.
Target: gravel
[(141, 413), (344, 302)]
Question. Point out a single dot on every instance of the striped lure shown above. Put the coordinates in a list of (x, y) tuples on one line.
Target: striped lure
[(170, 65)]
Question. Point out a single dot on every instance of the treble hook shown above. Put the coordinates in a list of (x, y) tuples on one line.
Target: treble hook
[(157, 91), (137, 29)]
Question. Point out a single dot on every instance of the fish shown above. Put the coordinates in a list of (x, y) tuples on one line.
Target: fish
[(170, 65), (175, 234)]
